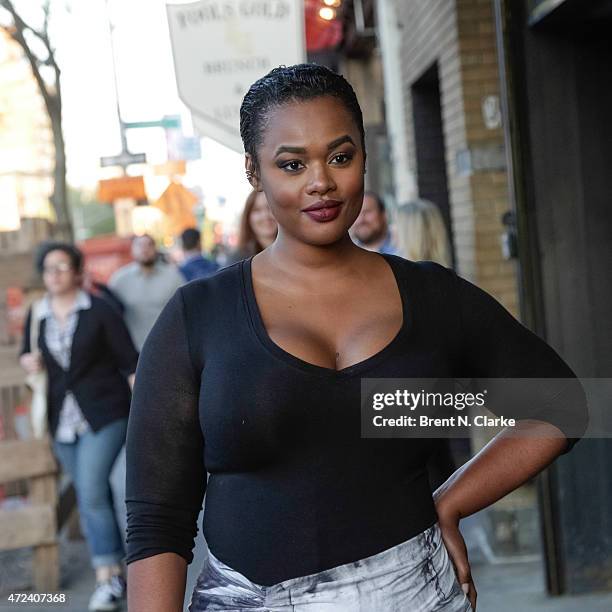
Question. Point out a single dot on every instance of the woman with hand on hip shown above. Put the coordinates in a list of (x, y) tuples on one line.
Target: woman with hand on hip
[(254, 376), (86, 350)]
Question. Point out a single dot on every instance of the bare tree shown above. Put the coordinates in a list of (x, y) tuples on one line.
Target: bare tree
[(40, 53)]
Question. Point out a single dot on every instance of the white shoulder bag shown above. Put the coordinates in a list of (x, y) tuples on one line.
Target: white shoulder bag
[(37, 381)]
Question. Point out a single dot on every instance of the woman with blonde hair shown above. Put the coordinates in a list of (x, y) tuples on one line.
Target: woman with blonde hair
[(420, 233)]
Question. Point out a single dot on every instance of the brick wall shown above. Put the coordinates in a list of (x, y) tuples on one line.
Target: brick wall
[(458, 37)]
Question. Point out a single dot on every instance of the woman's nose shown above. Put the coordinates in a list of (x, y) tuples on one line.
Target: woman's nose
[(320, 180)]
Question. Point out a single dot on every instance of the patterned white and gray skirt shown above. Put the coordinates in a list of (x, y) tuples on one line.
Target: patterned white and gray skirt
[(414, 576)]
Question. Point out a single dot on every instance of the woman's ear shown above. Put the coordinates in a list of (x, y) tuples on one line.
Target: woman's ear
[(251, 172)]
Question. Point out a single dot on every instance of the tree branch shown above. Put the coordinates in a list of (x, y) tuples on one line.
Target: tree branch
[(51, 94), (19, 23), (17, 32), (46, 12), (42, 35)]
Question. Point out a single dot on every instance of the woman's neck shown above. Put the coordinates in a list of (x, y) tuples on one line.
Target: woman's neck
[(66, 298), (301, 260), (265, 241)]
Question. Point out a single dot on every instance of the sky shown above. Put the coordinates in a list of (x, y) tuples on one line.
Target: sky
[(147, 91)]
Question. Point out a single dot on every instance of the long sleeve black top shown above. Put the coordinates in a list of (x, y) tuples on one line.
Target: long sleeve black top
[(294, 489)]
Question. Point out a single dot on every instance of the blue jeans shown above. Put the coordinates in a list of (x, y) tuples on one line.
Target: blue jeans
[(89, 461), (416, 576)]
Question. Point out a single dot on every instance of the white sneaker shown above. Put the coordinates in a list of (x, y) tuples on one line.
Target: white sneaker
[(107, 595)]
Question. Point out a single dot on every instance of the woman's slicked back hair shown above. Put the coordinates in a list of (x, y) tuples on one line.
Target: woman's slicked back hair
[(292, 84)]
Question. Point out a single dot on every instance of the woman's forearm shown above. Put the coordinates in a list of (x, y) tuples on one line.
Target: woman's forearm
[(157, 584), (503, 465)]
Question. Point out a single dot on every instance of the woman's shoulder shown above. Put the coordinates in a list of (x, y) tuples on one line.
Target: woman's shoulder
[(99, 306), (422, 267), (221, 287), (439, 286), (423, 274), (237, 256)]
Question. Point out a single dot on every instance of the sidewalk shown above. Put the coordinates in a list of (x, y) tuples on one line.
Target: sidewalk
[(77, 577), (516, 587), (519, 587)]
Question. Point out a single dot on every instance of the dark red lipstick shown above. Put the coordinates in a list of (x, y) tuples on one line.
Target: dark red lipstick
[(323, 210)]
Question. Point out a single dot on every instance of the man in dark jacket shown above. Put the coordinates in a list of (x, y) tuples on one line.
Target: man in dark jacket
[(195, 265)]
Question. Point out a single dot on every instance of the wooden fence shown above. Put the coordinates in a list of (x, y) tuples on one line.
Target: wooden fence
[(28, 470), (28, 466), (34, 524)]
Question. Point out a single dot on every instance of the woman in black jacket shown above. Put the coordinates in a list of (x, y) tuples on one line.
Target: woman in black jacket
[(90, 360)]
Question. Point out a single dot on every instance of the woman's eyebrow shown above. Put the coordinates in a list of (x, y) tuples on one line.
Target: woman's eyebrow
[(336, 143), (288, 149), (301, 150)]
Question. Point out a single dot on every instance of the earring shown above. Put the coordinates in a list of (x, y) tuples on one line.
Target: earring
[(249, 175)]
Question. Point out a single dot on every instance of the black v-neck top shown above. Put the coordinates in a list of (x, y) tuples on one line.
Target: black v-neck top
[(294, 489), (352, 370)]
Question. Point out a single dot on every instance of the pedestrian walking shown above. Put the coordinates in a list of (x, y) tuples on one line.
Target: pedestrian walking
[(371, 228), (253, 376), (194, 264), (258, 228), (420, 233), (103, 291), (144, 287), (86, 350)]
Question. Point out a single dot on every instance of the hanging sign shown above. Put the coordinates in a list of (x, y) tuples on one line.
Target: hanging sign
[(221, 47)]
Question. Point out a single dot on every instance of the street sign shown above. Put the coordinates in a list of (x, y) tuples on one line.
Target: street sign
[(221, 48), (169, 122), (124, 159), (110, 190), (177, 202), (170, 168), (183, 147)]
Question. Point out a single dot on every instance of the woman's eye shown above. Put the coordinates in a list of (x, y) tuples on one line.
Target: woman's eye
[(292, 166), (341, 158)]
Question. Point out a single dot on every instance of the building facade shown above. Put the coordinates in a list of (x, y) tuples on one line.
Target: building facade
[(556, 60), (500, 118)]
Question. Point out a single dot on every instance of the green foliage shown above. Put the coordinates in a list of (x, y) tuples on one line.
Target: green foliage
[(89, 217)]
